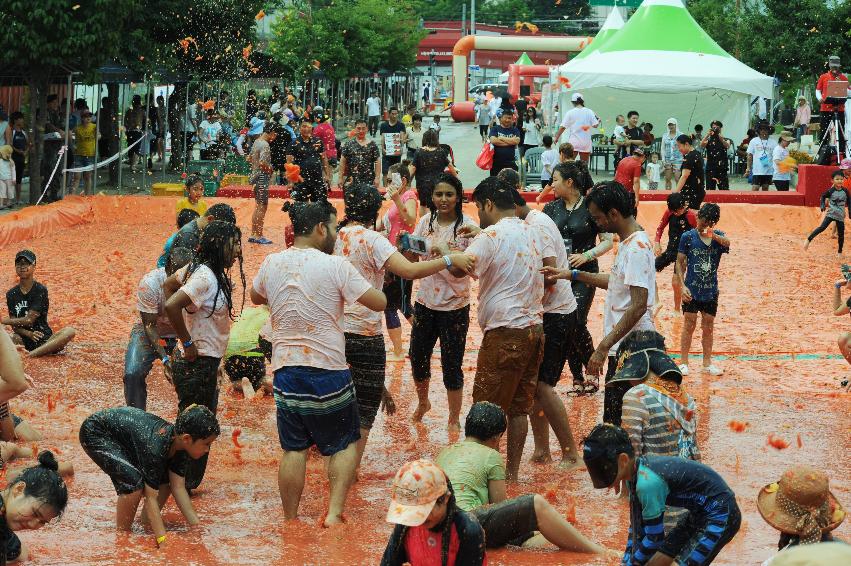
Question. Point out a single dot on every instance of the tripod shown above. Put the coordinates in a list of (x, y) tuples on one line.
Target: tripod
[(834, 134)]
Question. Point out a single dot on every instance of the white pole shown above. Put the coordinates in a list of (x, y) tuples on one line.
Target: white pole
[(472, 31)]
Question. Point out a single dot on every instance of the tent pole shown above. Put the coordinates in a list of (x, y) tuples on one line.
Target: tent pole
[(68, 96), (97, 145)]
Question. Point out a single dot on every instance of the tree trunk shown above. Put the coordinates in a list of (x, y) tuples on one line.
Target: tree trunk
[(38, 85), (114, 145)]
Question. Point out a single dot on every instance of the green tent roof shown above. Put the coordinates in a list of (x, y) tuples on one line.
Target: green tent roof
[(611, 26), (524, 60), (662, 25)]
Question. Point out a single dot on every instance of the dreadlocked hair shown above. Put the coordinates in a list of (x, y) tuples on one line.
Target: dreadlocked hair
[(211, 252), (455, 183), (446, 534)]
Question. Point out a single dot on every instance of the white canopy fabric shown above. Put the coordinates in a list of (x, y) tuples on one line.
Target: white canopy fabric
[(663, 64)]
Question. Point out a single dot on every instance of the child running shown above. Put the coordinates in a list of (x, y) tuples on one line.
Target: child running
[(698, 257), (836, 199), (430, 527), (654, 482), (477, 472), (679, 219), (32, 499), (28, 304), (193, 201), (146, 456), (442, 307)]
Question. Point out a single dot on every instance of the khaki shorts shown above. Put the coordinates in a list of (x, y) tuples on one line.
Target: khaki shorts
[(507, 368)]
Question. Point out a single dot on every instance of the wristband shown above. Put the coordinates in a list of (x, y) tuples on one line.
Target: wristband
[(838, 285), (187, 343), (160, 540), (447, 261), (165, 360), (574, 273)]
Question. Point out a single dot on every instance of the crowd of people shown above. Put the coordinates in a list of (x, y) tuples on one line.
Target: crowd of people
[(315, 337)]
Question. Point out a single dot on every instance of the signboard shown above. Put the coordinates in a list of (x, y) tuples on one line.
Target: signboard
[(474, 68), (618, 3)]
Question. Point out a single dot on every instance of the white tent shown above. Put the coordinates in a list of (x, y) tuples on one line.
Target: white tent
[(662, 64)]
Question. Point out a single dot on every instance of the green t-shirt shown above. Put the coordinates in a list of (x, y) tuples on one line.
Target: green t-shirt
[(470, 466), (245, 332)]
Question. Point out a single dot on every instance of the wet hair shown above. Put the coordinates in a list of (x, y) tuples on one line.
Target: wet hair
[(306, 215), (362, 201), (455, 183), (496, 190), (569, 170), (586, 182), (430, 139), (211, 252), (178, 257), (222, 212), (631, 113), (710, 212), (675, 201), (403, 169), (611, 195), (185, 216), (198, 422), (484, 421), (547, 140), (684, 138), (44, 483), (510, 176), (193, 179), (566, 149)]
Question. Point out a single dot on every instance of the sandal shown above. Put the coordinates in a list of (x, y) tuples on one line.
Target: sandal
[(578, 388), (592, 385)]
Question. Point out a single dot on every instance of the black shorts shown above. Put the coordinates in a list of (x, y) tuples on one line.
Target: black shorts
[(707, 307), (367, 361), (667, 257), (483, 129), (703, 535), (760, 180), (31, 344), (261, 189), (781, 185), (266, 347), (559, 330), (252, 367), (110, 457), (513, 521)]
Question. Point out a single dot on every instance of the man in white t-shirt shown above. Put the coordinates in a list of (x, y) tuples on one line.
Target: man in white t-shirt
[(508, 255), (373, 113), (144, 346), (306, 289), (631, 285), (578, 122), (760, 152)]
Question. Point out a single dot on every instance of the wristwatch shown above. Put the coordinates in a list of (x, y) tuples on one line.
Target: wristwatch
[(187, 343), (447, 261)]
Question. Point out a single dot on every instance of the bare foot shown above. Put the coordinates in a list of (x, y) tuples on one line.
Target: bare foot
[(396, 357), (454, 427), (66, 469), (331, 521), (806, 244), (541, 457), (247, 388), (569, 463), (656, 309), (421, 411)]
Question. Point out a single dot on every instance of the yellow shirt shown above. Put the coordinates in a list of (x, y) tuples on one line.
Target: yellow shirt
[(200, 207), (86, 136)]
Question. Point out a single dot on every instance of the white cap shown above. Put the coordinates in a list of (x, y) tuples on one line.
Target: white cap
[(576, 97), (671, 121)]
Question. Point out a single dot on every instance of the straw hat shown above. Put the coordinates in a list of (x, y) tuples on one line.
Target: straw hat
[(801, 504), (6, 151), (787, 136)]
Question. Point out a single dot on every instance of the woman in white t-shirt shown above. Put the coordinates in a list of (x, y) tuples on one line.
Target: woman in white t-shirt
[(578, 122), (199, 304), (531, 131), (782, 170)]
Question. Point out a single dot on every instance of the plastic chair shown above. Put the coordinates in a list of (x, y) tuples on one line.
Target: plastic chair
[(532, 166)]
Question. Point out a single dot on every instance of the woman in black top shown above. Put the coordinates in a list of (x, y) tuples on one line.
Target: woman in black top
[(430, 161), (308, 152), (580, 234)]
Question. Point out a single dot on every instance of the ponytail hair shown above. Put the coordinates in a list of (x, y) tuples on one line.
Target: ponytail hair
[(44, 483)]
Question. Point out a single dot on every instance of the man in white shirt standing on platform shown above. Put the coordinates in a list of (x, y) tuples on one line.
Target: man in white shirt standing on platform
[(306, 289), (631, 285), (508, 255), (373, 113), (578, 122)]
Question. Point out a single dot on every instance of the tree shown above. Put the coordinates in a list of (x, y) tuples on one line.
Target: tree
[(44, 40), (347, 39)]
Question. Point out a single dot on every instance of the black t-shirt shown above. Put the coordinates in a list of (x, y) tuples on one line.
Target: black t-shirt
[(279, 146), (307, 154), (577, 228), (146, 440), (20, 304), (504, 153), (693, 189), (633, 134), (397, 128), (429, 163), (716, 154), (10, 544), (188, 237)]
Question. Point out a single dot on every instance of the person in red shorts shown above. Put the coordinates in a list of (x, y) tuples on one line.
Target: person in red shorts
[(628, 174)]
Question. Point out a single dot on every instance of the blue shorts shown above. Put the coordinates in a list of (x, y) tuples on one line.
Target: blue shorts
[(316, 406)]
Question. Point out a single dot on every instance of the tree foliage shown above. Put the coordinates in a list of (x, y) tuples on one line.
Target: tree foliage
[(347, 38), (504, 12)]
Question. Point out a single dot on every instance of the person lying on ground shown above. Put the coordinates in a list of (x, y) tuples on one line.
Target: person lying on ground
[(33, 498), (430, 526), (189, 236), (653, 482), (801, 506), (28, 303), (476, 470), (146, 456)]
